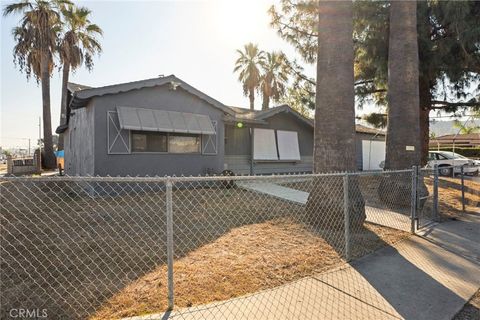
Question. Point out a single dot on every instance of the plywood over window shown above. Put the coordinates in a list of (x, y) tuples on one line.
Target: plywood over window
[(288, 148), (264, 144)]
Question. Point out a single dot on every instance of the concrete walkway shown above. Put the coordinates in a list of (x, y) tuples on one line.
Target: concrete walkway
[(415, 279), (461, 235), (376, 215)]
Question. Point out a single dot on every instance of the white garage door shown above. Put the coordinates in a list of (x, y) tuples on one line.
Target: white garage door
[(373, 153)]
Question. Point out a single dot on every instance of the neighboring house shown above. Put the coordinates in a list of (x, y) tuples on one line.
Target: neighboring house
[(163, 126), (459, 140)]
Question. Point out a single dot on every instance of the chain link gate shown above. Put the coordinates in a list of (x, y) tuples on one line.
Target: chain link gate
[(426, 189)]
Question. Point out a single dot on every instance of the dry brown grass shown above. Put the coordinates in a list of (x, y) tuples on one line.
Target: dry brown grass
[(245, 260), (450, 196), (104, 256)]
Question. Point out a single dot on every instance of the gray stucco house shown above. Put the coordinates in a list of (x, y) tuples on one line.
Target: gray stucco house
[(164, 126)]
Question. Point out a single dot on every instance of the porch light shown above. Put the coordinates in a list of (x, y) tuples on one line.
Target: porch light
[(240, 125)]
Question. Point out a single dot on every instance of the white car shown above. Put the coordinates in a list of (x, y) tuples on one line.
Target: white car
[(445, 160)]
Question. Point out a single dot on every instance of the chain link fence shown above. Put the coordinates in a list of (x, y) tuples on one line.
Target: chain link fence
[(237, 247)]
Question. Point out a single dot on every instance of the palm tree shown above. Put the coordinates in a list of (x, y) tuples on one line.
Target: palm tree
[(403, 143), (274, 79), (403, 127), (463, 128), (334, 132), (78, 45), (36, 39), (248, 65)]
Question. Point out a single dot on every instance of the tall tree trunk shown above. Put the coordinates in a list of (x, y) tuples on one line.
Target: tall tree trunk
[(334, 132), (265, 102), (403, 129), (63, 107), (425, 105), (49, 157), (251, 96)]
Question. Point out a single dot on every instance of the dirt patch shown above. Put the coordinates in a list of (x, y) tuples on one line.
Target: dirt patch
[(450, 196), (471, 310), (245, 260)]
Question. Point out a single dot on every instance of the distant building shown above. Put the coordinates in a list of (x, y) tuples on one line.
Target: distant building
[(460, 140)]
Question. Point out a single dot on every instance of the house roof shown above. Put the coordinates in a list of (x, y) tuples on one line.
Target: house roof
[(470, 136), (82, 94), (259, 116), (73, 87), (363, 129), (471, 139)]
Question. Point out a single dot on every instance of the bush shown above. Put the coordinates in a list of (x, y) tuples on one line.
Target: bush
[(467, 152)]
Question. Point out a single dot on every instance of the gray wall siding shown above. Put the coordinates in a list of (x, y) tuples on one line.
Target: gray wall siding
[(79, 143), (238, 148), (154, 163)]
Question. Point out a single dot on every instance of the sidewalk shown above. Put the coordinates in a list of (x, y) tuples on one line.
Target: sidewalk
[(415, 279)]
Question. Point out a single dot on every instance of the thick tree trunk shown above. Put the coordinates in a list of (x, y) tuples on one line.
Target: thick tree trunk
[(48, 158), (63, 106), (251, 96), (403, 129), (334, 133), (425, 105), (265, 102)]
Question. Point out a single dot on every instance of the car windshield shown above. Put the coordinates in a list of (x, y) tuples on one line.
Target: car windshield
[(453, 155)]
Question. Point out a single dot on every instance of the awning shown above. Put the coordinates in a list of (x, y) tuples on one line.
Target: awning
[(164, 121)]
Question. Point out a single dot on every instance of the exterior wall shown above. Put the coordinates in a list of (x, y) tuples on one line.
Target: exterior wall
[(358, 146), (238, 147), (154, 163), (79, 142)]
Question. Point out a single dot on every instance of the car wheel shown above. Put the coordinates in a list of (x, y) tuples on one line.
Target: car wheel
[(445, 171)]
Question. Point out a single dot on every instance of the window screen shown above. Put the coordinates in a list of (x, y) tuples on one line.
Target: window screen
[(264, 144), (149, 141), (288, 145), (183, 143)]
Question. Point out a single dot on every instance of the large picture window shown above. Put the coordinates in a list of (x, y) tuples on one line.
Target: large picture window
[(143, 141), (183, 143)]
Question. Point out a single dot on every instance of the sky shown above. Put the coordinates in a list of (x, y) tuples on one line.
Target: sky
[(195, 40)]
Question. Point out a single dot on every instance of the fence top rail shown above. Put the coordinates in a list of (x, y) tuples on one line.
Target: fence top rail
[(174, 179)]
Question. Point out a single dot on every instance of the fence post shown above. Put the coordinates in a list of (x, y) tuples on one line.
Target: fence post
[(169, 213), (435, 192), (413, 214), (463, 188), (346, 212)]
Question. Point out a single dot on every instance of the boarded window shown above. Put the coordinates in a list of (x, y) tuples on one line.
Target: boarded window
[(288, 148), (264, 144)]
